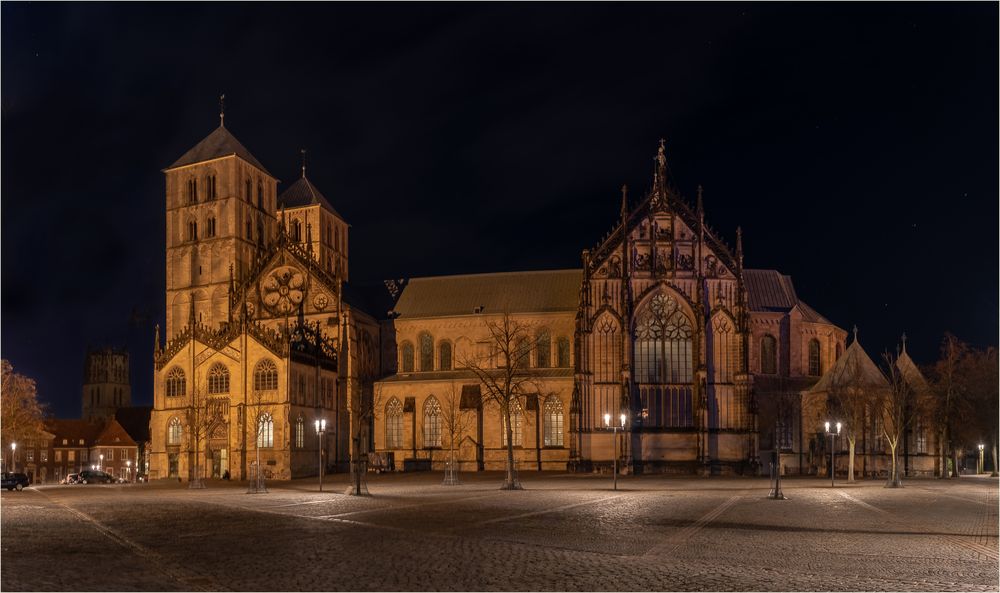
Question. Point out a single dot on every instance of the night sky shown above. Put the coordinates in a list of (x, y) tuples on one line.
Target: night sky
[(856, 144)]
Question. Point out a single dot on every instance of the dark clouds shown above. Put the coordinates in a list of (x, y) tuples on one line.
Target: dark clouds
[(855, 144)]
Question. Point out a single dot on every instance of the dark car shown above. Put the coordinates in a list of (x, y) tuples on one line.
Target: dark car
[(96, 476), (11, 481)]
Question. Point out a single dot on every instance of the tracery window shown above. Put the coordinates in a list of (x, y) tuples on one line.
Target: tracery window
[(814, 359), (174, 432), (553, 422), (768, 355), (218, 379), (265, 431), (543, 349), (393, 424), (444, 356), (300, 433), (663, 342), (516, 422), (426, 352), (920, 436), (176, 383), (265, 376), (432, 422), (725, 349), (406, 357), (562, 351)]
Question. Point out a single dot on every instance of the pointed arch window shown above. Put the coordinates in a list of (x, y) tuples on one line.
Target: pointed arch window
[(249, 191), (260, 195), (174, 432), (265, 376), (249, 229), (300, 433), (193, 230), (192, 191), (768, 355), (663, 342), (543, 349), (218, 379), (210, 187), (426, 352), (444, 356), (210, 227), (562, 352), (432, 422), (393, 424), (265, 431), (296, 230), (608, 350), (553, 422), (406, 357), (176, 383), (815, 366), (516, 425)]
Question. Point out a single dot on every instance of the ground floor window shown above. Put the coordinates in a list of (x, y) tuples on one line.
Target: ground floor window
[(172, 463)]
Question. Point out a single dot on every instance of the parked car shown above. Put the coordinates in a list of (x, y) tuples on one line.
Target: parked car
[(10, 481), (71, 479), (142, 478), (96, 476)]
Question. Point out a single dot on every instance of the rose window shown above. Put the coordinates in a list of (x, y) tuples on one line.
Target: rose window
[(283, 290)]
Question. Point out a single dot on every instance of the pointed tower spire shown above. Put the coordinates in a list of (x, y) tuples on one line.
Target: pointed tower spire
[(222, 110), (156, 338), (303, 151), (903, 338), (855, 333)]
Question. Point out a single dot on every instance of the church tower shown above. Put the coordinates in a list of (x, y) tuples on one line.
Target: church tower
[(106, 384), (221, 205)]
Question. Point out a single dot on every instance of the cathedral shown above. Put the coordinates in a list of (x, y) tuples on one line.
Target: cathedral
[(661, 352)]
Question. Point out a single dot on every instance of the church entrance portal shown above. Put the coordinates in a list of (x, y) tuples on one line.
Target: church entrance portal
[(219, 460)]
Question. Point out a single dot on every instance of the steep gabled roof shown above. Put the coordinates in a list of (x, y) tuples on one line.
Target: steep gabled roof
[(218, 144), (73, 431), (911, 374), (542, 291), (769, 290), (113, 435), (855, 368), (304, 193)]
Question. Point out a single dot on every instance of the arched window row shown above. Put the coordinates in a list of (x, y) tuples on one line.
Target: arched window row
[(176, 383), (218, 379), (422, 355), (265, 376)]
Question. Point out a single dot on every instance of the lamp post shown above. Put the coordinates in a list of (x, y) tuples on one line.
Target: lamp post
[(13, 466), (101, 467), (128, 464), (320, 431), (833, 443), (614, 432), (981, 468)]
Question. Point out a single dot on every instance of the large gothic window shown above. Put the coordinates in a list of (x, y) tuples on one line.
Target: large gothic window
[(662, 342), (218, 379), (562, 350), (432, 422), (725, 349), (444, 351), (768, 355), (176, 383), (607, 356), (814, 360), (393, 424), (265, 431), (174, 432), (553, 422), (406, 357), (265, 376), (426, 352), (543, 349), (300, 433)]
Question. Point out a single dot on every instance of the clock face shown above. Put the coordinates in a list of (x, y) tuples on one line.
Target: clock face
[(282, 290), (321, 301)]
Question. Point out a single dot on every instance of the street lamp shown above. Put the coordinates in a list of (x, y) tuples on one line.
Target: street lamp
[(982, 469), (128, 464), (320, 431), (833, 443), (614, 432), (101, 467), (13, 467)]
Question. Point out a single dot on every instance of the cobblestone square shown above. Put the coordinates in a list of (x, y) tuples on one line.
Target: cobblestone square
[(562, 532)]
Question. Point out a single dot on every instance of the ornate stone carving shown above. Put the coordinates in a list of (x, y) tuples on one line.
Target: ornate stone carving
[(321, 301), (283, 290)]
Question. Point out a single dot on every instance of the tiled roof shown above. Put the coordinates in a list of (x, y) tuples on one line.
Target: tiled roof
[(304, 193), (113, 435), (73, 431), (769, 290), (463, 374), (135, 421), (218, 144), (911, 374), (515, 292), (854, 368)]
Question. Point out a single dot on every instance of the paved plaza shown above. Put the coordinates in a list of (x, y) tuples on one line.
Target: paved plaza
[(563, 532)]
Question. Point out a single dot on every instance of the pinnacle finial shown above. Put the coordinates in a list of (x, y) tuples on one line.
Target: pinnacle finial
[(903, 338), (303, 152), (661, 156), (701, 208), (855, 332), (624, 198), (222, 110)]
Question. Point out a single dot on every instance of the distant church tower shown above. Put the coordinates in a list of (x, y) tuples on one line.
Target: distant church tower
[(221, 205), (106, 384)]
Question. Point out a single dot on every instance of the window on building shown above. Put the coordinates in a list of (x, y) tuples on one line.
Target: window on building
[(29, 455), (516, 418), (248, 191), (562, 350), (725, 348), (192, 230), (71, 455), (58, 455), (663, 342), (920, 438), (174, 432), (218, 379), (260, 195), (249, 230), (814, 359), (175, 384), (44, 455), (210, 185), (543, 349), (768, 355), (783, 432), (553, 422), (265, 431), (300, 433), (444, 355), (210, 227), (296, 230), (265, 376), (393, 424), (426, 352), (432, 422), (192, 191), (406, 357)]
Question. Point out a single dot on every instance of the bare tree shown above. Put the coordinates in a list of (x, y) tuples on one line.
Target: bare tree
[(951, 400), (505, 377), (258, 414), (897, 405), (980, 375), (456, 421), (852, 397), (202, 414), (20, 412), (364, 408)]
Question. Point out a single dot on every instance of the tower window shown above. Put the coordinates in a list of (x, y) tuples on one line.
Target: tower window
[(260, 195), (249, 230), (210, 227), (210, 186), (249, 191), (297, 230), (193, 231), (192, 191)]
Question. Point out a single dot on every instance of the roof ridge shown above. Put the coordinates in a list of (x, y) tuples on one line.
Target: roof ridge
[(508, 273)]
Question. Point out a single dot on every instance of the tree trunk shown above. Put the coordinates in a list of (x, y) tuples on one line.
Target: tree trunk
[(954, 462), (993, 449), (850, 459), (509, 482), (894, 481)]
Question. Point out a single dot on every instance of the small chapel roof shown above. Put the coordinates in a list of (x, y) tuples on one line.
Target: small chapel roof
[(770, 290), (304, 193), (855, 367), (911, 374), (218, 144), (543, 291)]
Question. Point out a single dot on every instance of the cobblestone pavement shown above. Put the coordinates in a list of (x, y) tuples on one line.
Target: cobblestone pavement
[(563, 532)]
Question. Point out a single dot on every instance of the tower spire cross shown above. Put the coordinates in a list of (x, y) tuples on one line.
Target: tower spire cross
[(303, 152), (222, 110)]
